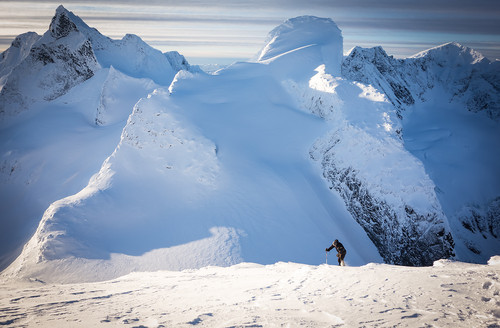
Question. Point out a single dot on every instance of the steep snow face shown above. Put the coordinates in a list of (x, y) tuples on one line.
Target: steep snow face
[(460, 152), (179, 62), (118, 95), (71, 100), (319, 37), (54, 151)]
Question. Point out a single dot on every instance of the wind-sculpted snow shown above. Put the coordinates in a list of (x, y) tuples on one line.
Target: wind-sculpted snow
[(118, 95), (205, 174), (320, 37), (463, 74)]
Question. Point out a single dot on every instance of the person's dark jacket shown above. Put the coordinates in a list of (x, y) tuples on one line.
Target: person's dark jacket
[(338, 246)]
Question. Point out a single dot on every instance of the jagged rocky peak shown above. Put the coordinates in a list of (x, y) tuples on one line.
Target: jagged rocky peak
[(368, 53), (373, 66), (376, 56), (303, 32), (62, 58), (61, 24)]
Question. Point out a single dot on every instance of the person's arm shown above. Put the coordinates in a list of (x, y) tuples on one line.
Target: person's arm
[(329, 248)]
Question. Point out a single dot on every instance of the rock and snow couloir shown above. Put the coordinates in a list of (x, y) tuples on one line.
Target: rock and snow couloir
[(265, 161)]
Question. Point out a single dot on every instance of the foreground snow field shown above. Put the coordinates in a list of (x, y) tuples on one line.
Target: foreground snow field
[(281, 295)]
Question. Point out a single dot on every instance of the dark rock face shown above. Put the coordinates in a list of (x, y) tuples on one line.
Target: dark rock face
[(482, 223), (412, 238), (50, 70), (461, 72), (61, 25), (74, 65)]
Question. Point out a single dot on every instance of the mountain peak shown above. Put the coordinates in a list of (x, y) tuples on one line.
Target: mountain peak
[(300, 32), (306, 32), (61, 24), (453, 50)]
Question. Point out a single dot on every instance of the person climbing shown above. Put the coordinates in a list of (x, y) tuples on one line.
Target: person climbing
[(340, 251)]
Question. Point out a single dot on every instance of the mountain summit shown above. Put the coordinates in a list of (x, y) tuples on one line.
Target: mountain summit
[(306, 33)]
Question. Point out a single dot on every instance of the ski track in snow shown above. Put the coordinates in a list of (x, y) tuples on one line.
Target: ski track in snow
[(252, 295)]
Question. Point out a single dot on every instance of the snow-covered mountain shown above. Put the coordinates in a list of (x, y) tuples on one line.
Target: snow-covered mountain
[(69, 53), (133, 160), (464, 74), (448, 98)]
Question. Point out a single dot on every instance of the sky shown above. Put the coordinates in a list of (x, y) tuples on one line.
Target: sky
[(221, 32)]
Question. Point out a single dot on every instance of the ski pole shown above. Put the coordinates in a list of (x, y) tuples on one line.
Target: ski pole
[(326, 257)]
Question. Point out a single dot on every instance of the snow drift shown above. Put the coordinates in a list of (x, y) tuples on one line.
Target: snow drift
[(263, 161)]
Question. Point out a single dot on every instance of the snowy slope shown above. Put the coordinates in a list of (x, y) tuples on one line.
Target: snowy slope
[(314, 40), (183, 190), (449, 294), (52, 152), (214, 170), (51, 148)]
